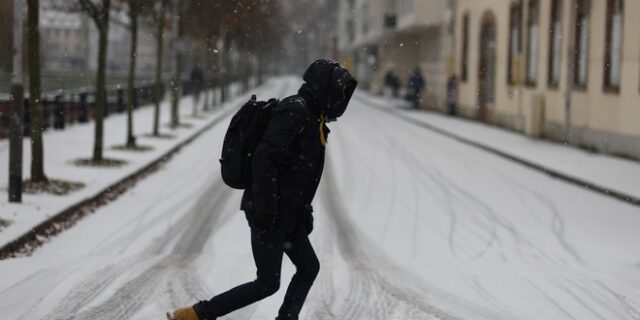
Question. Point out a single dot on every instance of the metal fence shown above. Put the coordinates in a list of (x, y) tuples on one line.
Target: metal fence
[(78, 106)]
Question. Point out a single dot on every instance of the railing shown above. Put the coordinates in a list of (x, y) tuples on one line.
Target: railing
[(61, 109)]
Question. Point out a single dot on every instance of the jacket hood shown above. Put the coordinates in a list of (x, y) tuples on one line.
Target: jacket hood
[(330, 86)]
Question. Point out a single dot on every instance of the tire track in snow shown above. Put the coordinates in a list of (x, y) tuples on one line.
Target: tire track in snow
[(462, 196), (193, 230), (374, 294), (128, 298), (578, 288), (388, 293), (175, 189), (175, 272)]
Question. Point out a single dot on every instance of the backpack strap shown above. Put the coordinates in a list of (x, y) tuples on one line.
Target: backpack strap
[(323, 139)]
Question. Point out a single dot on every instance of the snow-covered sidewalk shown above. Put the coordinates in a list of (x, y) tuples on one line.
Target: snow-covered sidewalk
[(606, 172), (63, 147)]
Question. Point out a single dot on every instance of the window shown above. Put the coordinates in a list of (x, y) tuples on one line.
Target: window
[(555, 44), (613, 45), (365, 19), (514, 43), (350, 30), (465, 48), (533, 29), (581, 41)]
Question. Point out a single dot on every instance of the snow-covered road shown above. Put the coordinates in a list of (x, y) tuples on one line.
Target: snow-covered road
[(409, 225)]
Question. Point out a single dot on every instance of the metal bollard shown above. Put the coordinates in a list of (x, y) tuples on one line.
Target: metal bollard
[(136, 94), (84, 109), (26, 119), (58, 113), (45, 114), (120, 100), (107, 104)]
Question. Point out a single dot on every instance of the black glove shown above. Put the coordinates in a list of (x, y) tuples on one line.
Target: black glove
[(263, 222)]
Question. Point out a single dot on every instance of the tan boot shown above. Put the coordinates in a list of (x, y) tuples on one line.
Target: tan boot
[(186, 313)]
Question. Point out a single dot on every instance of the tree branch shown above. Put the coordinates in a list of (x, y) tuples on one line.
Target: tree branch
[(118, 22), (89, 7)]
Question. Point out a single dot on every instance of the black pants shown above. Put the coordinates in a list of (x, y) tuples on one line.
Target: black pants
[(267, 253)]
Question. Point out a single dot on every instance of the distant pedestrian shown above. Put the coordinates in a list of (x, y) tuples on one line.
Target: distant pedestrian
[(452, 93), (197, 84), (416, 86), (286, 169), (392, 83)]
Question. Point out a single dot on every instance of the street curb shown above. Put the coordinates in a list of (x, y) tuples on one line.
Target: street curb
[(8, 250), (621, 196)]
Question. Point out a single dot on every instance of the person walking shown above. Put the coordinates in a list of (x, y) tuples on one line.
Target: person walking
[(416, 85), (392, 83), (286, 170), (197, 84)]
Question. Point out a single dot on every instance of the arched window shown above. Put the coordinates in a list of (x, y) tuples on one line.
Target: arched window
[(486, 64), (613, 45), (555, 44), (514, 43), (581, 42), (464, 67), (533, 30)]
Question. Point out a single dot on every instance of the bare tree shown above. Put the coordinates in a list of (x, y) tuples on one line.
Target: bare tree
[(176, 82), (35, 103), (158, 19), (15, 114), (251, 27), (134, 7), (99, 11)]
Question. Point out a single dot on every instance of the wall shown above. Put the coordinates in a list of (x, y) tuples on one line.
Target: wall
[(607, 121)]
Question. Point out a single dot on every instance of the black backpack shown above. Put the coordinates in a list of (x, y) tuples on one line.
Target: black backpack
[(245, 131)]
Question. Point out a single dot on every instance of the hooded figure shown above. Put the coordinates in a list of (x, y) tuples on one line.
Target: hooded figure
[(286, 170), (295, 139), (329, 86)]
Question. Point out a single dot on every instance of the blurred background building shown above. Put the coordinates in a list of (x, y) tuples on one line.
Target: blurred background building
[(310, 33), (565, 70), (69, 48), (65, 41), (398, 36)]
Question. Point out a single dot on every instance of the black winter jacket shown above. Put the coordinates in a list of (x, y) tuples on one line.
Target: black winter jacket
[(288, 162)]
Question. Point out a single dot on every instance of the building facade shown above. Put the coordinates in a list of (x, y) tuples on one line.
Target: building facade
[(64, 41), (376, 37), (69, 44), (568, 70)]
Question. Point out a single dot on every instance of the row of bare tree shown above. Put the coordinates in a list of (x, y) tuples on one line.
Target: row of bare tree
[(216, 30)]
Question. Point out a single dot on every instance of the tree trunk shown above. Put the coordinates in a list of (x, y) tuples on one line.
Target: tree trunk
[(133, 16), (16, 114), (177, 82), (260, 70), (215, 75), (246, 72), (159, 59), (195, 93), (205, 76), (225, 69), (175, 92), (35, 104), (101, 96)]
